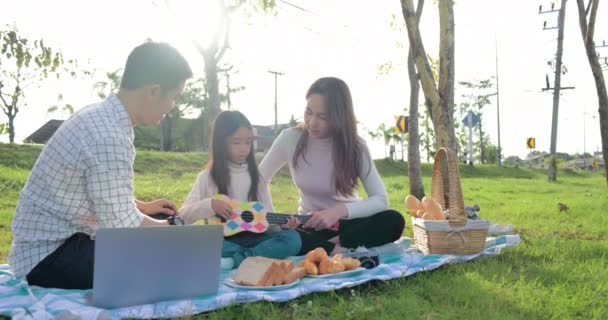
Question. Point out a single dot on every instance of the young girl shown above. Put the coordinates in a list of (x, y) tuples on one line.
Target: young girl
[(232, 171), (327, 158)]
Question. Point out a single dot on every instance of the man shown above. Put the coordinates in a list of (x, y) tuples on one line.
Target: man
[(83, 178)]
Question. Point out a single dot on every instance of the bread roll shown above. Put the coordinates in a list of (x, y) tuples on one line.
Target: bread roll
[(310, 267), (350, 263), (420, 213), (330, 266), (316, 255), (412, 204)]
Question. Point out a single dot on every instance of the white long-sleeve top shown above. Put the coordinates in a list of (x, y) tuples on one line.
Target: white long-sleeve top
[(314, 177), (198, 203)]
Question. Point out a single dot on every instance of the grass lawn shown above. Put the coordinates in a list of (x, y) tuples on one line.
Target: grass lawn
[(558, 271)]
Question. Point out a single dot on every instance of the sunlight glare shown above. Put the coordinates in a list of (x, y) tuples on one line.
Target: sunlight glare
[(197, 21)]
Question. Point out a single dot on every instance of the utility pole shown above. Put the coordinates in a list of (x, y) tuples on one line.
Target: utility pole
[(497, 103), (552, 175), (276, 123)]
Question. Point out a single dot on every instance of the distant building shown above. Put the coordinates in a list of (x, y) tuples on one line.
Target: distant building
[(44, 133), (263, 136)]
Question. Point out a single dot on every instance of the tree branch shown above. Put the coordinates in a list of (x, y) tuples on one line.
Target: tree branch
[(591, 25), (220, 54), (222, 14), (417, 47), (582, 17), (588, 7), (16, 99), (446, 50), (6, 106), (419, 8)]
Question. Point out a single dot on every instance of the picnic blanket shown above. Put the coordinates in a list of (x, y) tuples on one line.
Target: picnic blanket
[(20, 301)]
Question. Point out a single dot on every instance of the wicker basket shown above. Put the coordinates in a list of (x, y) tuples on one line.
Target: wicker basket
[(458, 235)]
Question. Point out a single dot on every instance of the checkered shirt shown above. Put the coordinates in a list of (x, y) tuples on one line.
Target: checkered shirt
[(82, 180)]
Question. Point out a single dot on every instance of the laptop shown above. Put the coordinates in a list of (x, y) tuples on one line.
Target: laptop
[(135, 266)]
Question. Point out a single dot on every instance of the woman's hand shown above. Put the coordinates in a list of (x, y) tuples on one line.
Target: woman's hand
[(292, 223), (326, 218), (157, 206), (222, 208)]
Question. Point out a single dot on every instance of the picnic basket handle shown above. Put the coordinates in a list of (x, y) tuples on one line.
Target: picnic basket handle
[(455, 203)]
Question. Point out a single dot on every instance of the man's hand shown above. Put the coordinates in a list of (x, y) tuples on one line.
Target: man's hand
[(157, 206), (326, 218)]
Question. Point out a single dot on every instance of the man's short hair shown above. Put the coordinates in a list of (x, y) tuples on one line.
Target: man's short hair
[(155, 63)]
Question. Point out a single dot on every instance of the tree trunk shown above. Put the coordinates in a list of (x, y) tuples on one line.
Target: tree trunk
[(212, 85), (213, 93), (413, 147), (556, 89), (446, 67), (166, 128), (596, 69), (11, 127), (439, 101)]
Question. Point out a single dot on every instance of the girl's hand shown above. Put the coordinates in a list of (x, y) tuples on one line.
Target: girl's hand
[(326, 218), (221, 208), (292, 223)]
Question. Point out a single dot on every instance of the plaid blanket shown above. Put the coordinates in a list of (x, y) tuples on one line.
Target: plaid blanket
[(20, 301)]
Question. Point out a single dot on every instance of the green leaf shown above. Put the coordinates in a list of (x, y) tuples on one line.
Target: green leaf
[(69, 108), (56, 62), (12, 36)]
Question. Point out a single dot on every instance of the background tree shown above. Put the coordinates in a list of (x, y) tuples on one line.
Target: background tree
[(24, 63), (383, 132), (214, 50), (587, 17), (439, 97), (61, 107), (477, 97), (413, 147), (110, 85)]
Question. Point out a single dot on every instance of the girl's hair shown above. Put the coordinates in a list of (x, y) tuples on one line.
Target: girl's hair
[(226, 124), (343, 126)]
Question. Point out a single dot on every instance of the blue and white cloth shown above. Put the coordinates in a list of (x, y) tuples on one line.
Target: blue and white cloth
[(20, 301)]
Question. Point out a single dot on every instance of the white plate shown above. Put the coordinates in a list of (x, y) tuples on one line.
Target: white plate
[(336, 275), (230, 282)]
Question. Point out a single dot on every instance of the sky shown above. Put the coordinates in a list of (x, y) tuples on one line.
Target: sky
[(348, 39)]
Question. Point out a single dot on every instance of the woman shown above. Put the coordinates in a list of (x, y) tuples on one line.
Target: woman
[(326, 158)]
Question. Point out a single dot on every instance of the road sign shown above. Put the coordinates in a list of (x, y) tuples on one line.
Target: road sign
[(531, 143), (401, 124), (471, 119), (594, 164)]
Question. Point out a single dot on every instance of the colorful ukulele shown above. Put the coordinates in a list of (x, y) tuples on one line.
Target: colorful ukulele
[(250, 216)]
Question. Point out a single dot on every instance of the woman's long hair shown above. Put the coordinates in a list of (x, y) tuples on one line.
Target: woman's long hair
[(226, 124), (343, 126)]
